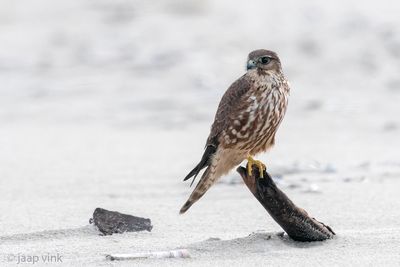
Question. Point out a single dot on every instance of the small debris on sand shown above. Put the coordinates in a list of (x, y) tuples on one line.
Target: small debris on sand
[(179, 253), (111, 222)]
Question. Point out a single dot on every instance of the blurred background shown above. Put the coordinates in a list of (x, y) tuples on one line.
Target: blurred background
[(109, 103), (133, 64)]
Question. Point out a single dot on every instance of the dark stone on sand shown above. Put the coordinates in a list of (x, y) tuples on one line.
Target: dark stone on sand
[(295, 221), (112, 222)]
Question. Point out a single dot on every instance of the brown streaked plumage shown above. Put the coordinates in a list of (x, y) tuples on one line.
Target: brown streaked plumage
[(246, 121)]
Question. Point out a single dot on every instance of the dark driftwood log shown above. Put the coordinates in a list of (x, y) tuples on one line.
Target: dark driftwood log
[(111, 222), (294, 220)]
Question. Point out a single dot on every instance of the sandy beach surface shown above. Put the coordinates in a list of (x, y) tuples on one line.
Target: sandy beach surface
[(109, 103)]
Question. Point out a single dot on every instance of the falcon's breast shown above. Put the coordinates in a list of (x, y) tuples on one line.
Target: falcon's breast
[(252, 123)]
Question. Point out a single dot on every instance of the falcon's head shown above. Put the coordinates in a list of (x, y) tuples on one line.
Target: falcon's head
[(263, 60)]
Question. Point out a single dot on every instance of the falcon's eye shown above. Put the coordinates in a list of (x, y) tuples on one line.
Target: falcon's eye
[(265, 60)]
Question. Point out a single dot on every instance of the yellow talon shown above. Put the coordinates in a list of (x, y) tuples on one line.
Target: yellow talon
[(261, 166)]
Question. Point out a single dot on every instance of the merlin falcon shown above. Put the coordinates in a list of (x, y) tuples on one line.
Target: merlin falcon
[(246, 121)]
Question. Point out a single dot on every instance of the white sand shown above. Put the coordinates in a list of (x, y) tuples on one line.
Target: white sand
[(108, 104)]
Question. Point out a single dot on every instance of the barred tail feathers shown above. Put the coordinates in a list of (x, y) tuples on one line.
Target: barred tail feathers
[(206, 181)]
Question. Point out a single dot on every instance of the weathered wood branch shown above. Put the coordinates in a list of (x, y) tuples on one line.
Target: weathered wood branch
[(294, 220)]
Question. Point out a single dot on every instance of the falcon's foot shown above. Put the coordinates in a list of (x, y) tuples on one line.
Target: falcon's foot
[(261, 166)]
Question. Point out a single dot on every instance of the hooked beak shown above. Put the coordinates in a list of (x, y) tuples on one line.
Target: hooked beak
[(251, 64)]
